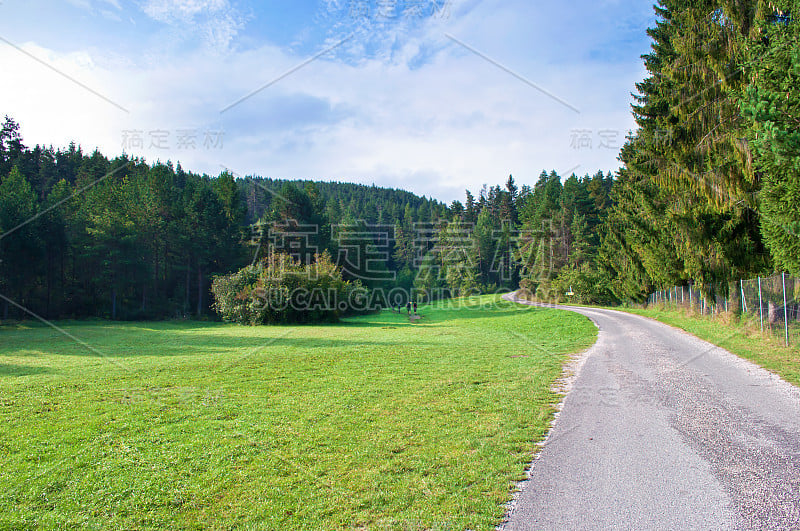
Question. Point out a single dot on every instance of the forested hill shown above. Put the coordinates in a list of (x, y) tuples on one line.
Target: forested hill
[(707, 194), (88, 235), (343, 201), (85, 235)]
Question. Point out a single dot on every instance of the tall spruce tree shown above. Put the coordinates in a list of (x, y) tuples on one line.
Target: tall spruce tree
[(771, 103), (689, 155)]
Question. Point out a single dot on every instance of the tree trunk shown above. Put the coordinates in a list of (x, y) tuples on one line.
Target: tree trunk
[(49, 282), (199, 290), (772, 313), (114, 303), (155, 271), (63, 282), (187, 301)]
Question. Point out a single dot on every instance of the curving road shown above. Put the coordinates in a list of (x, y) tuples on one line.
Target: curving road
[(664, 431)]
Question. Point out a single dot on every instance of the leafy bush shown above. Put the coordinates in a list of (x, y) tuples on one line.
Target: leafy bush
[(588, 285), (279, 289)]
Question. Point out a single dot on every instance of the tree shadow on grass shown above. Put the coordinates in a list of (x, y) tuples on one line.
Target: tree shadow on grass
[(133, 341), (10, 370), (187, 338), (472, 312)]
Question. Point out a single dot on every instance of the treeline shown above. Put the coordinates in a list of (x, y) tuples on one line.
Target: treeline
[(544, 237), (708, 193), (424, 249), (561, 234), (709, 189), (84, 235), (342, 202), (710, 186)]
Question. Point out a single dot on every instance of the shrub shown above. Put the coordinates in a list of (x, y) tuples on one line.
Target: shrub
[(279, 289), (588, 285)]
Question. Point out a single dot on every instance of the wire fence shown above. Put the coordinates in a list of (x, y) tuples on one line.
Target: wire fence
[(773, 303)]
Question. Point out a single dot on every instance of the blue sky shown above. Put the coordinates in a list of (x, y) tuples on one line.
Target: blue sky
[(434, 96)]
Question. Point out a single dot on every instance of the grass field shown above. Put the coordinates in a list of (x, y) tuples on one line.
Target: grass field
[(373, 423), (739, 337)]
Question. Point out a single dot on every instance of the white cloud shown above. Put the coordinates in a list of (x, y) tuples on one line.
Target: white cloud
[(183, 10), (91, 6), (83, 4), (438, 126), (217, 22)]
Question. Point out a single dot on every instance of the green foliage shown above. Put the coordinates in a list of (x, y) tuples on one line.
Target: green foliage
[(771, 103), (707, 194), (560, 234), (340, 202), (128, 240), (588, 285), (21, 248), (686, 205), (280, 289)]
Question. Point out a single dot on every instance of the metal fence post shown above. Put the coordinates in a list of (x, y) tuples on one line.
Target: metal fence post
[(744, 301), (760, 306), (785, 311)]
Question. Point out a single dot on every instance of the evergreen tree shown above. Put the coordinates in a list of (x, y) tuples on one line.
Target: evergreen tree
[(21, 249), (771, 103)]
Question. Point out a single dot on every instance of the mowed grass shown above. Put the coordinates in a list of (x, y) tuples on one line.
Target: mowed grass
[(374, 423), (740, 337)]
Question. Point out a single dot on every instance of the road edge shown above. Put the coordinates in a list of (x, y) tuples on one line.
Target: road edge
[(570, 371)]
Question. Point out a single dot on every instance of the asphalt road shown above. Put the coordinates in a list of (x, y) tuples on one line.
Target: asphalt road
[(664, 431)]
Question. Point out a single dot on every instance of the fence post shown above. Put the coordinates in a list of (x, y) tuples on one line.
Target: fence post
[(760, 306), (785, 311), (744, 301)]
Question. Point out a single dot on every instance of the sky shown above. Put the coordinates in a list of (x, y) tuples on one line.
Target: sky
[(431, 96)]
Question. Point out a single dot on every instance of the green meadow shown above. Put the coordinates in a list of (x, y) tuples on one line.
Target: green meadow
[(373, 423)]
